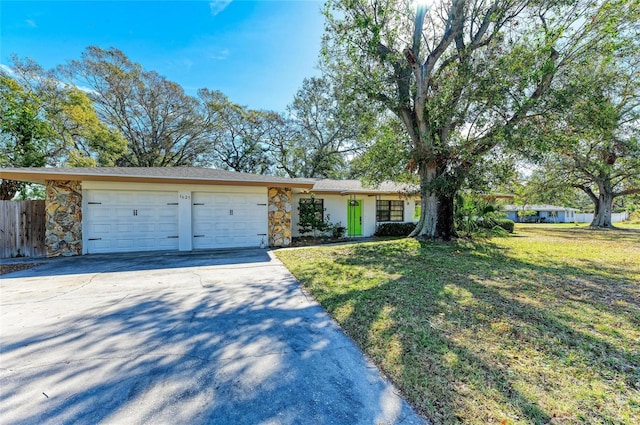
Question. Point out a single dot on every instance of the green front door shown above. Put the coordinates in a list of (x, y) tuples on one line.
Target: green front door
[(354, 218)]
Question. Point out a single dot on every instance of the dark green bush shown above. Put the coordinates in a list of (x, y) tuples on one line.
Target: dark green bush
[(395, 229), (504, 223), (337, 230)]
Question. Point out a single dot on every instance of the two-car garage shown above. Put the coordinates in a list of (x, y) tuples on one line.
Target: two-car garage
[(150, 220), (127, 209)]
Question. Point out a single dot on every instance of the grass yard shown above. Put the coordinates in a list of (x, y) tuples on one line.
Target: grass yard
[(539, 327)]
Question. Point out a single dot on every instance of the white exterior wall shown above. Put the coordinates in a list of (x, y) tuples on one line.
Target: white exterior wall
[(185, 191), (336, 207)]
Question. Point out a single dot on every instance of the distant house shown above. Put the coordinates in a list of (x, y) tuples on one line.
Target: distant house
[(540, 213)]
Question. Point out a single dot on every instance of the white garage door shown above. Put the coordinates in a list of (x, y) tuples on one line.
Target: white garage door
[(229, 220), (127, 221)]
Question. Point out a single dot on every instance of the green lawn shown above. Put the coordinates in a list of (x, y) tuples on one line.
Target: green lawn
[(539, 327)]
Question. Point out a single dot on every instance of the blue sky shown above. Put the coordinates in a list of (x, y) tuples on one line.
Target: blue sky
[(256, 52)]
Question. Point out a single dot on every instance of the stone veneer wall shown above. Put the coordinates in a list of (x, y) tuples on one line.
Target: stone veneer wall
[(63, 210), (280, 216)]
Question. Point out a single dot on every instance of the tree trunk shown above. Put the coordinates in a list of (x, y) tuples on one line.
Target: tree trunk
[(8, 189), (436, 212), (602, 213), (445, 228)]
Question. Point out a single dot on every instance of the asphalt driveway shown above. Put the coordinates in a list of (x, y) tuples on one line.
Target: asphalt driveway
[(212, 337)]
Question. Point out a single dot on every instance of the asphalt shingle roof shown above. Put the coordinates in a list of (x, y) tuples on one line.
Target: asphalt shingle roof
[(355, 186), (170, 174), (537, 208), (197, 175)]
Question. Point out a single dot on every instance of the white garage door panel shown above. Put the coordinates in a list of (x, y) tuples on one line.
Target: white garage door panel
[(222, 220), (125, 221)]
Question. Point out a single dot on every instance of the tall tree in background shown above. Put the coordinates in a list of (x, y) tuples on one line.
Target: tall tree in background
[(24, 133), (162, 125), (79, 137), (462, 76), (94, 144), (595, 130), (325, 130), (238, 135), (45, 122)]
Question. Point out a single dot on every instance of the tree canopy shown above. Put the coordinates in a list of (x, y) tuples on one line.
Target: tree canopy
[(163, 126), (24, 132), (464, 77), (328, 129), (46, 122), (592, 128)]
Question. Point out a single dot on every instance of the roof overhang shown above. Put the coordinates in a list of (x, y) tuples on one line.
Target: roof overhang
[(498, 196), (41, 175), (372, 192)]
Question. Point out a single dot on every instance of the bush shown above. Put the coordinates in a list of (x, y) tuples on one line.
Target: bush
[(395, 229), (503, 223), (506, 224), (311, 217), (634, 218), (337, 230)]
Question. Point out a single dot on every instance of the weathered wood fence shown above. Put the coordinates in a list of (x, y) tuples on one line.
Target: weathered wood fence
[(22, 225)]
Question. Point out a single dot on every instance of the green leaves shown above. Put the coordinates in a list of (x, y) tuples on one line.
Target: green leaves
[(161, 124), (24, 131), (90, 141)]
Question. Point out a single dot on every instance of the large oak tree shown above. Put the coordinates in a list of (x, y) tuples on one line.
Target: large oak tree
[(595, 131), (327, 128), (591, 130), (45, 122), (463, 76), (161, 123), (238, 135)]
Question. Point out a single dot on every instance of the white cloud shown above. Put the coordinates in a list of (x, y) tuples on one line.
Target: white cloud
[(218, 6), (6, 69), (31, 23), (219, 54), (87, 90)]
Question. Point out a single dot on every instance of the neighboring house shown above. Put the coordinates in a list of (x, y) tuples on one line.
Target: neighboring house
[(111, 209), (540, 213)]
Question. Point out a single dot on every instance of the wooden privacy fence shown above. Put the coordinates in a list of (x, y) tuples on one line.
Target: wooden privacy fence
[(22, 225)]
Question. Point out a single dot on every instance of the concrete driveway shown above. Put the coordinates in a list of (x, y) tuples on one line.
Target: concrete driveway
[(211, 337)]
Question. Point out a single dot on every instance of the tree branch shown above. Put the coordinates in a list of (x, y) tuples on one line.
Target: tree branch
[(627, 192)]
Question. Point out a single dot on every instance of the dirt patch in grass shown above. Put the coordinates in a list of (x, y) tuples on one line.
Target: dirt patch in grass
[(10, 268), (542, 327)]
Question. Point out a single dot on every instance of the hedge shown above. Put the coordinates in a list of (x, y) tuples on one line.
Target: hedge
[(395, 229), (404, 229), (505, 223)]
